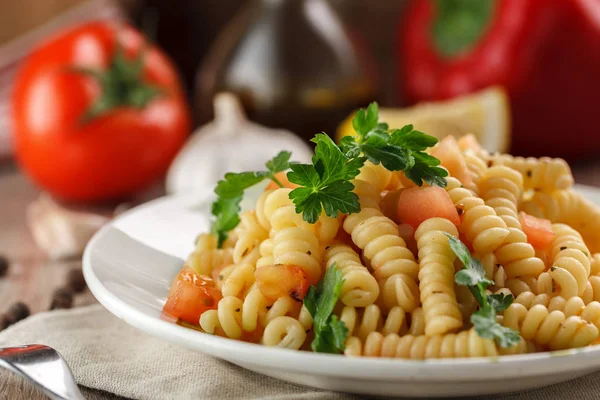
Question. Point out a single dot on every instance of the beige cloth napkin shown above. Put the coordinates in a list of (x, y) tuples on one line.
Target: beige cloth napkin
[(114, 360)]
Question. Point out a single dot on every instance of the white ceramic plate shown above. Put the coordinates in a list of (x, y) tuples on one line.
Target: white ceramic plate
[(129, 266)]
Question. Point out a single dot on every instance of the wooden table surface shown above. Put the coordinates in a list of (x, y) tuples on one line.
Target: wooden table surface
[(32, 277)]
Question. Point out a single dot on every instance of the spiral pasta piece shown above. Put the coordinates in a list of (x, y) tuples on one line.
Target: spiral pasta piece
[(250, 234), (360, 287), (590, 312), (258, 311), (203, 262), (299, 247), (493, 269), (570, 262), (592, 290), (462, 344), (239, 281), (285, 332), (502, 188), (361, 322), (539, 174), (481, 226), (476, 167), (227, 316), (280, 212), (552, 329), (436, 277), (393, 264)]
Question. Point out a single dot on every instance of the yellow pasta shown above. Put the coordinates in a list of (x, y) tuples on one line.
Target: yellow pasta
[(204, 261), (463, 344), (552, 329), (502, 188), (481, 225), (436, 277), (539, 174), (399, 301), (570, 262), (360, 287), (250, 234), (284, 332)]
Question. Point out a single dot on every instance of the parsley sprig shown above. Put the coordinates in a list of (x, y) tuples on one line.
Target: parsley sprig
[(484, 320), (325, 184), (230, 192), (398, 150), (330, 332)]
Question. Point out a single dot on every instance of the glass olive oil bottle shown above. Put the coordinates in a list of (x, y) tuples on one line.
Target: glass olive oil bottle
[(292, 63)]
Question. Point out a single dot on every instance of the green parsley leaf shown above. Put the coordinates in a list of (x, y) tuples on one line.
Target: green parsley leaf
[(366, 120), (500, 302), (485, 324), (414, 140), (330, 332), (484, 320), (325, 184), (226, 212), (230, 192), (401, 150), (377, 149), (279, 163), (473, 273)]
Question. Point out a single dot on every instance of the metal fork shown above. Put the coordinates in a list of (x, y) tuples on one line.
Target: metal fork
[(44, 367)]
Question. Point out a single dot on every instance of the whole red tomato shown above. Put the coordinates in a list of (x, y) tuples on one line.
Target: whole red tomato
[(98, 113)]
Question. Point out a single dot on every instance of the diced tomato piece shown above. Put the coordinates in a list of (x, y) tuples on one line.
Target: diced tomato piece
[(275, 281), (281, 177), (448, 152), (416, 205), (191, 295), (407, 233), (468, 142), (389, 205), (538, 230)]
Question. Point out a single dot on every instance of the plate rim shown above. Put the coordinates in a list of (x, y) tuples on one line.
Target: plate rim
[(373, 368)]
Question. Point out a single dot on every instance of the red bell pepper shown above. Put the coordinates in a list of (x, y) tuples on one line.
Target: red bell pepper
[(545, 53)]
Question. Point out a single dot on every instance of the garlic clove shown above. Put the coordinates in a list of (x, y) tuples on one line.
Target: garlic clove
[(230, 143), (59, 232)]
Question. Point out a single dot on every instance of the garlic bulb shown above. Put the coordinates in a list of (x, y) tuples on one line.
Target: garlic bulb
[(230, 143)]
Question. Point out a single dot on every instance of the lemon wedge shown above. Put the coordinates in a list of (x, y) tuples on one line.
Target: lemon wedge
[(485, 114)]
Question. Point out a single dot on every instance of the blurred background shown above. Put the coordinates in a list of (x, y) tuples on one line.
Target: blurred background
[(105, 104)]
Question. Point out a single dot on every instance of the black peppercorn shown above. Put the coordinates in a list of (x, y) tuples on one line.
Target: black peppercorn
[(17, 312), (5, 322), (3, 266), (75, 280), (62, 298)]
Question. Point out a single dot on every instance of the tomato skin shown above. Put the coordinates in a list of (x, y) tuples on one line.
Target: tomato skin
[(115, 154), (451, 158), (418, 204), (389, 205), (191, 295), (538, 230), (275, 281)]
